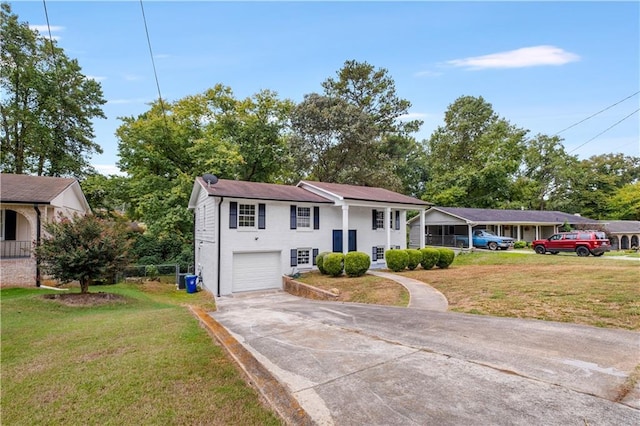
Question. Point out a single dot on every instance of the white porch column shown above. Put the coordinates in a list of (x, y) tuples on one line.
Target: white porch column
[(345, 229), (422, 232), (519, 232), (387, 216), (470, 227)]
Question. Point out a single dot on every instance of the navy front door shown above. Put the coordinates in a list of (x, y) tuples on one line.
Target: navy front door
[(338, 241)]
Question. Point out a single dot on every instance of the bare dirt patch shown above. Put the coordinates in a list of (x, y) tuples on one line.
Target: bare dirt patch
[(86, 299)]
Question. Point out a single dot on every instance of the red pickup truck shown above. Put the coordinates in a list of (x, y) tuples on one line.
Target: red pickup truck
[(581, 242)]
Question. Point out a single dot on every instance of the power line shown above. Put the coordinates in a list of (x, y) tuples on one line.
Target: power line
[(593, 115), (604, 131)]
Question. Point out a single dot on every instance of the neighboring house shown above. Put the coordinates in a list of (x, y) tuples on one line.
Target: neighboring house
[(248, 235), (443, 224), (26, 204), (623, 234)]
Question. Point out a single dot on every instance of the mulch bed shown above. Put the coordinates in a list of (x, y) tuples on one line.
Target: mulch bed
[(86, 299)]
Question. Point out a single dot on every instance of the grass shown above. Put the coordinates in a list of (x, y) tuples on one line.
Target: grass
[(365, 289), (566, 288), (144, 360)]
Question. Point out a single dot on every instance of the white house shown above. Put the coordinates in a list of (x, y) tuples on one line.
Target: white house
[(248, 235), (26, 204)]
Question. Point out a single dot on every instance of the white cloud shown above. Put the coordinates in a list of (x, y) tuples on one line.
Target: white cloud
[(520, 58), (108, 169), (127, 101), (45, 29), (96, 77), (161, 56), (413, 116)]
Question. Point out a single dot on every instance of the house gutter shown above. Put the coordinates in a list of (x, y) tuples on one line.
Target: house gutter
[(38, 235), (219, 242)]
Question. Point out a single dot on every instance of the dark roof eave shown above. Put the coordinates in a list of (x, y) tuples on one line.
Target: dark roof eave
[(25, 202), (287, 200)]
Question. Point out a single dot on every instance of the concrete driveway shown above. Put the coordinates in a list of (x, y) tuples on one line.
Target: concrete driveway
[(353, 364)]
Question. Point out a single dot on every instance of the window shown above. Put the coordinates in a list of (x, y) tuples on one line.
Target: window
[(303, 218), (379, 219), (304, 257), (380, 252), (247, 216)]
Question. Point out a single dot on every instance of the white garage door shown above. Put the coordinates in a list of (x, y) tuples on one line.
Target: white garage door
[(256, 271)]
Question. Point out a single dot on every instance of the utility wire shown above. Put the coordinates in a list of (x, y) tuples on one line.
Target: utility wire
[(153, 63), (593, 115), (604, 131)]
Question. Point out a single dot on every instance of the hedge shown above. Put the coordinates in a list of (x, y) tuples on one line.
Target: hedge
[(333, 264), (320, 262), (446, 257), (397, 260), (430, 257), (356, 263), (415, 257)]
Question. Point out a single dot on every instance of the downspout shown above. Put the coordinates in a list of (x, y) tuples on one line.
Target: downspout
[(219, 242), (38, 222)]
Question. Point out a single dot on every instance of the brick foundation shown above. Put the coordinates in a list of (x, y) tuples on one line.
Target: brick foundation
[(18, 272)]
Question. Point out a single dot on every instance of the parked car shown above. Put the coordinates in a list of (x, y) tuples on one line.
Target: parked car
[(582, 243), (484, 238)]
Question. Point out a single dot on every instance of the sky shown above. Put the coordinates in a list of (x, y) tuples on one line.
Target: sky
[(544, 66)]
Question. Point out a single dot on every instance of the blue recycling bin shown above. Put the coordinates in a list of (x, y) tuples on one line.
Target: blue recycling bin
[(190, 281)]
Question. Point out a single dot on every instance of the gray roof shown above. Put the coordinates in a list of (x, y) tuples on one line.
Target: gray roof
[(514, 216), (31, 189), (364, 193), (622, 226), (260, 191)]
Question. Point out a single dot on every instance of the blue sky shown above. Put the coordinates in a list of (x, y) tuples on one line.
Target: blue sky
[(544, 66)]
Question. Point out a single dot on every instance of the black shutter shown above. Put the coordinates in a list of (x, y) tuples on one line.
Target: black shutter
[(397, 220), (233, 215), (374, 218), (294, 212), (315, 254), (262, 223), (294, 257), (374, 253), (316, 217)]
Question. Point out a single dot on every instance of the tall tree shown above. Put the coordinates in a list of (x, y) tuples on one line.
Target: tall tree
[(346, 135), (46, 106), (545, 179), (474, 158)]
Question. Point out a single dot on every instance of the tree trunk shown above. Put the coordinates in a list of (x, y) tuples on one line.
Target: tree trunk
[(84, 285)]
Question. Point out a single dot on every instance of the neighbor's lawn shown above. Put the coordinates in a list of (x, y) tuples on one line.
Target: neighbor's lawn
[(593, 291), (146, 361)]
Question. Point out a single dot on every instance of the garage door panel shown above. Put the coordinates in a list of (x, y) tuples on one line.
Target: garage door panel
[(256, 271)]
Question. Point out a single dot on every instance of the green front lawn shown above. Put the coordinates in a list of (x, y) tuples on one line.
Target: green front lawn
[(144, 360)]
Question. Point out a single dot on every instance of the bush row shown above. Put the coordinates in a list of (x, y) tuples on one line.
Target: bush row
[(428, 257), (356, 264)]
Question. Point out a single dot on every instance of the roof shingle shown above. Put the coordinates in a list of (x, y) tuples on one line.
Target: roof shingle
[(364, 193), (260, 191), (31, 189)]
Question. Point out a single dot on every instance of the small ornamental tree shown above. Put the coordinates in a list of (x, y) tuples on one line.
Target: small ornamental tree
[(415, 257), (430, 257), (83, 249), (356, 263), (397, 260), (446, 257)]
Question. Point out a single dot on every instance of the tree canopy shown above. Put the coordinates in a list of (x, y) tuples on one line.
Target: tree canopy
[(46, 106)]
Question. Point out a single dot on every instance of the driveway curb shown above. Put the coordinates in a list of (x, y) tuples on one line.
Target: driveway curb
[(277, 396)]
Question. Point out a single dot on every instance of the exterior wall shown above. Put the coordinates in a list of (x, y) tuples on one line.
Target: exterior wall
[(277, 235), (18, 272)]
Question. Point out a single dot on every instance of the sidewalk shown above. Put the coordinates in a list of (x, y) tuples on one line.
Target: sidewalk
[(422, 295)]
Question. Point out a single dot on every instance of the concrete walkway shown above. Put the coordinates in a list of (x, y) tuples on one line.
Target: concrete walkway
[(422, 296)]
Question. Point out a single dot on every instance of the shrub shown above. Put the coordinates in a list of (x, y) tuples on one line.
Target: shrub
[(430, 257), (333, 264), (520, 244), (397, 260), (415, 257), (446, 257), (320, 262), (151, 271), (356, 263)]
